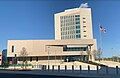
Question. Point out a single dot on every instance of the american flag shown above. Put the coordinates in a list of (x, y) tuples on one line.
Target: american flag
[(102, 29)]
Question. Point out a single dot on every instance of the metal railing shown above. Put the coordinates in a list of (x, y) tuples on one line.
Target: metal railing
[(81, 69)]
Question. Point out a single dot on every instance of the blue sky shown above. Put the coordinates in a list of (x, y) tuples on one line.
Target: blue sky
[(34, 19)]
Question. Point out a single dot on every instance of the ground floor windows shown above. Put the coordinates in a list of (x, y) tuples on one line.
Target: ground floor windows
[(43, 58), (30, 58), (82, 58), (75, 48), (36, 58)]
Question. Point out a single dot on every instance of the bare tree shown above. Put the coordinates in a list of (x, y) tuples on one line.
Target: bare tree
[(89, 55), (23, 55)]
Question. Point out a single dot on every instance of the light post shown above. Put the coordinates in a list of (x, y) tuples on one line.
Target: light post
[(15, 61), (48, 54), (55, 57)]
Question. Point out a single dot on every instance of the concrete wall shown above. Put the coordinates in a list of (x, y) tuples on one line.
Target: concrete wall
[(41, 47), (84, 13)]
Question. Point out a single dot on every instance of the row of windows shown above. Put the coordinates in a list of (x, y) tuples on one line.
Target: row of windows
[(64, 17), (67, 20), (68, 28), (71, 32), (71, 36), (75, 49), (68, 24), (70, 20), (31, 58), (71, 16), (68, 37), (68, 32)]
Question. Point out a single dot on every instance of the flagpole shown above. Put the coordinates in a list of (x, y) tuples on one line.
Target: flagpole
[(100, 46)]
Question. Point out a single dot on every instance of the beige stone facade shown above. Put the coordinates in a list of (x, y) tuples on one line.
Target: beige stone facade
[(66, 24), (41, 49), (73, 39)]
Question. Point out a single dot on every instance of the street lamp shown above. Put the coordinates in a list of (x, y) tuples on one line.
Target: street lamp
[(48, 54), (15, 60), (55, 57)]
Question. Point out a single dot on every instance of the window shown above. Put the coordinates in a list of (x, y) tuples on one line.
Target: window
[(36, 58), (77, 15), (74, 48), (84, 21), (77, 18), (83, 17), (77, 22), (30, 58), (84, 26), (15, 55), (61, 17), (77, 31), (78, 36), (84, 31), (12, 48), (85, 35), (78, 26)]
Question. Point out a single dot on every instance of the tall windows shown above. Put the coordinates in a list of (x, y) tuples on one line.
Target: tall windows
[(13, 48), (77, 17), (70, 26)]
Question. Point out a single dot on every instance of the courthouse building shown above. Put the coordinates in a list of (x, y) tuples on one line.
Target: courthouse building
[(73, 38)]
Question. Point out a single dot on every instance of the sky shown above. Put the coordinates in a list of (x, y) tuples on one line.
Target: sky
[(34, 19)]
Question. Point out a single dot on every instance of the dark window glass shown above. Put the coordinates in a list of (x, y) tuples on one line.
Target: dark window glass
[(36, 58), (84, 21), (77, 22), (77, 31), (30, 58), (78, 36), (77, 15), (12, 48), (84, 26), (83, 18), (85, 36), (75, 49), (78, 26)]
